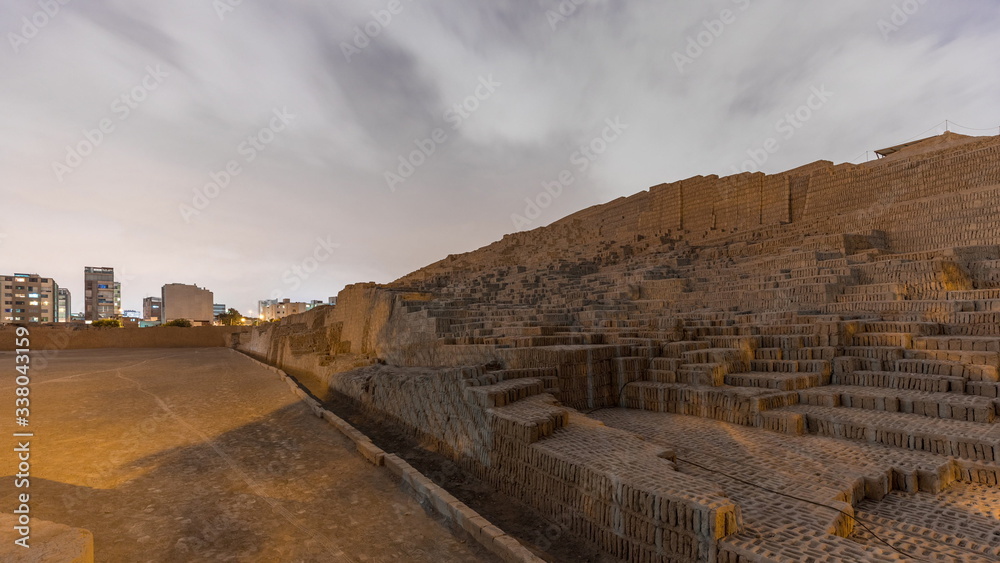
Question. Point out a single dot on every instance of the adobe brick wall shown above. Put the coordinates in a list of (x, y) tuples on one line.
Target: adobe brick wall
[(78, 338), (735, 299)]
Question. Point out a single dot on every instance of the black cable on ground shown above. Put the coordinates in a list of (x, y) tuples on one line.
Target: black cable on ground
[(745, 482), (772, 491), (618, 400), (763, 488)]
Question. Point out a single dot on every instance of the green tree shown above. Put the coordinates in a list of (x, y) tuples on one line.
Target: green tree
[(232, 317), (178, 322), (110, 323)]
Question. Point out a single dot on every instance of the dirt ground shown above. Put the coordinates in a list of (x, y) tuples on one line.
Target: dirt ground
[(201, 455)]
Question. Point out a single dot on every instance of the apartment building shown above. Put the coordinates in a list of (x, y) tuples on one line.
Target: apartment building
[(29, 298)]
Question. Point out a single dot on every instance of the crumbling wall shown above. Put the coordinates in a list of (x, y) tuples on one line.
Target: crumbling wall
[(577, 310), (605, 485), (891, 195), (325, 340)]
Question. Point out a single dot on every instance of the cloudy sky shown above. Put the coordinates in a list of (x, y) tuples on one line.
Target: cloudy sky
[(288, 148)]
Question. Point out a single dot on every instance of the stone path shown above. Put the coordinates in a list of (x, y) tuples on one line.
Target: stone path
[(197, 455)]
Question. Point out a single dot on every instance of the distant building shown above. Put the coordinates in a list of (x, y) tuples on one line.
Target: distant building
[(102, 295), (273, 309), (182, 301), (29, 298), (262, 306), (332, 300), (131, 314), (219, 309), (64, 306), (152, 308)]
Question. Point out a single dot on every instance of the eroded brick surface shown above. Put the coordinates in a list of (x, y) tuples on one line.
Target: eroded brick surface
[(833, 331)]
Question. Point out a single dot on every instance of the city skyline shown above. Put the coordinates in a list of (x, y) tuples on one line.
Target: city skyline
[(270, 152), (61, 292)]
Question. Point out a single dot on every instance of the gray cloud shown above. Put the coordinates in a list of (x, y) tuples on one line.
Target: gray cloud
[(324, 175)]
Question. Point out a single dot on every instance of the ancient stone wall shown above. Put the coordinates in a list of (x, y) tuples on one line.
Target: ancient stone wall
[(604, 485), (594, 480), (812, 199), (856, 302)]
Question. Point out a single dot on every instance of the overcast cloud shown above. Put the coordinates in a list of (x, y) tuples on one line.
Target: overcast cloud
[(339, 110)]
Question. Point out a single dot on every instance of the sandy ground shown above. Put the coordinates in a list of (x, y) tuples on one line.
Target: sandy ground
[(199, 454)]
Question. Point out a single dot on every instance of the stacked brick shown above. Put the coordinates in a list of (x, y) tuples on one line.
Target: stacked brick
[(836, 304), (607, 485)]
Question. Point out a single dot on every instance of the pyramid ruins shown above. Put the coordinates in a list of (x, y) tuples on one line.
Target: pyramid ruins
[(801, 366)]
